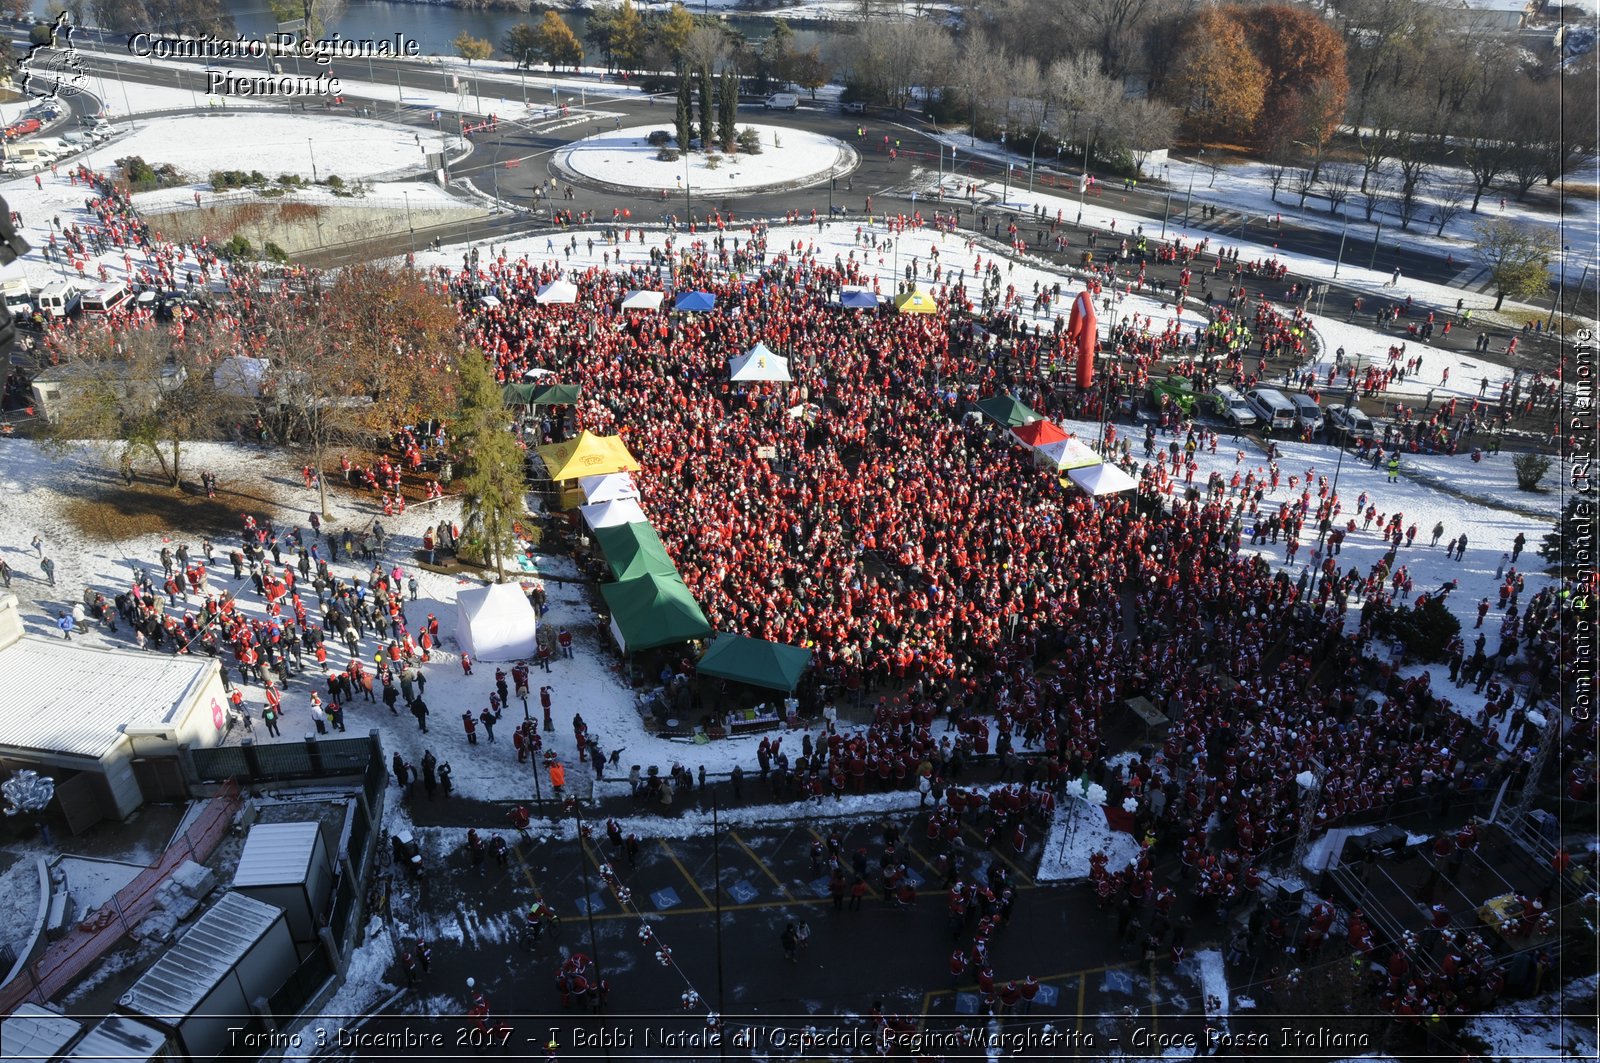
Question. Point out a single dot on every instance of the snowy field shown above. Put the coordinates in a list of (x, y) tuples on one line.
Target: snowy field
[(353, 148), (1102, 210), (273, 143), (788, 157)]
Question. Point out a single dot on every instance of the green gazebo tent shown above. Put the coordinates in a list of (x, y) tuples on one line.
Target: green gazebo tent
[(652, 611), (754, 661), (634, 550), (540, 394), (1007, 411)]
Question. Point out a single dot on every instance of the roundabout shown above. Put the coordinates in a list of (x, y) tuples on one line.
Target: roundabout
[(625, 160)]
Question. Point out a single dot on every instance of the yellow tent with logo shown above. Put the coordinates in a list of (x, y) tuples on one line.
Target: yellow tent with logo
[(915, 301), (587, 455)]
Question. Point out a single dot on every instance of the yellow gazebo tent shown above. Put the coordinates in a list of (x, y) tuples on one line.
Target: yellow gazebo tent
[(915, 301), (587, 455)]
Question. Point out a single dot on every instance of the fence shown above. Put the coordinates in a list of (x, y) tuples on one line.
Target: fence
[(286, 761), (302, 985), (66, 960)]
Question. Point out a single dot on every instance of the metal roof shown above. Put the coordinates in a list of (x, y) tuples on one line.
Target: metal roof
[(188, 971), (117, 1037), (35, 1033), (276, 854), (62, 697)]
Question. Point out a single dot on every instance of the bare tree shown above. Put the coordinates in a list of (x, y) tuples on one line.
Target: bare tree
[(1303, 180), (1376, 191), (1338, 182), (1450, 202), (704, 48)]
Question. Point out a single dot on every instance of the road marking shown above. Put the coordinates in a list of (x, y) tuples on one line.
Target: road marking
[(1083, 993), (698, 892), (765, 870), (998, 854), (874, 894), (1082, 976)]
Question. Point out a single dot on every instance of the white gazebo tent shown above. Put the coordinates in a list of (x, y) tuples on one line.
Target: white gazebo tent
[(758, 363), (610, 514), (642, 299), (1067, 453), (557, 291), (496, 623), (1102, 479), (608, 487)]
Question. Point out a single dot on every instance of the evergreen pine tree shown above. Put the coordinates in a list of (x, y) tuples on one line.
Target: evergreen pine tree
[(492, 481), (685, 123), (1572, 543), (727, 108), (707, 117)]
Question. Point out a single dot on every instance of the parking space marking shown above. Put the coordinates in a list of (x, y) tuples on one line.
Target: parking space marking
[(762, 864), (698, 892), (1002, 857)]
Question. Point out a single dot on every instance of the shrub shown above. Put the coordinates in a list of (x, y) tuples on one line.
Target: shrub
[(237, 248), (274, 252), (713, 161), (659, 138), (1530, 468), (335, 182), (749, 141), (668, 155), (136, 171)]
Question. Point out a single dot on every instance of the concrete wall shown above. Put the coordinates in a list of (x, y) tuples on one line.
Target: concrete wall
[(10, 619), (299, 227)]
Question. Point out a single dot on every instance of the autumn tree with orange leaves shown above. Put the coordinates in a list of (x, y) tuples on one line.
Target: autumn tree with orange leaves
[(1272, 74)]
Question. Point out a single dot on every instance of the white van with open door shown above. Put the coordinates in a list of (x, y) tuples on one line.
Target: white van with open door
[(60, 299)]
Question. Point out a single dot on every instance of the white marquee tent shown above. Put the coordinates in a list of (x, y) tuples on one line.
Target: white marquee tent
[(758, 363), (496, 623), (642, 299), (1102, 479), (608, 487), (610, 514), (1066, 454), (557, 292), (238, 375)]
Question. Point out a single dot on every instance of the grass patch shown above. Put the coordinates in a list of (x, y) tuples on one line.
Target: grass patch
[(112, 511)]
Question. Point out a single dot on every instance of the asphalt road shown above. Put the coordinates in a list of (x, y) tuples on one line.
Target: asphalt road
[(856, 959)]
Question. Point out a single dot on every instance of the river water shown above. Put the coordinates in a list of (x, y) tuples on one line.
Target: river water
[(435, 26)]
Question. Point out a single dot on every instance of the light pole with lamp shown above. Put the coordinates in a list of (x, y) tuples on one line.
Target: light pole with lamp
[(1338, 466), (588, 897), (1189, 200), (1377, 234), (1167, 209), (409, 226), (1339, 261), (310, 150)]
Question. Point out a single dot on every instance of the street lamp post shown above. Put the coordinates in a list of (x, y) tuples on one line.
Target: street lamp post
[(1377, 235), (1167, 209), (1339, 261), (310, 150), (409, 226), (1189, 199)]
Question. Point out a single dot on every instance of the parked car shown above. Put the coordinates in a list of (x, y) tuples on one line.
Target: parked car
[(1229, 405), (1349, 421), (853, 107), (1307, 412), (23, 127)]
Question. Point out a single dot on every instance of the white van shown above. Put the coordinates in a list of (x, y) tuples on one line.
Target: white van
[(18, 296), (31, 156), (102, 301), (60, 299), (1307, 413), (1275, 411), (783, 101)]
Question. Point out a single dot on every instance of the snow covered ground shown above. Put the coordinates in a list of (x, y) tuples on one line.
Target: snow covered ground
[(1558, 1025), (788, 156), (1102, 209), (276, 143), (1247, 187)]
